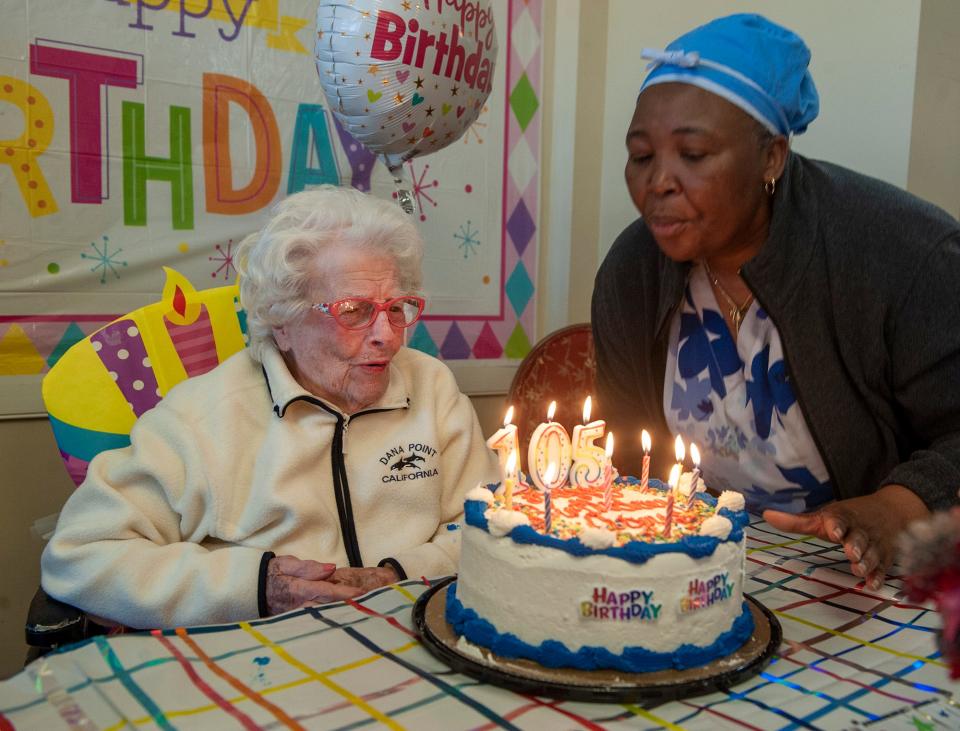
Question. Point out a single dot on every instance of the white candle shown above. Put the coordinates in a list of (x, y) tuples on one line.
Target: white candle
[(645, 472), (695, 478), (608, 474), (588, 459), (549, 445), (549, 477), (504, 441), (678, 449), (673, 481), (509, 479)]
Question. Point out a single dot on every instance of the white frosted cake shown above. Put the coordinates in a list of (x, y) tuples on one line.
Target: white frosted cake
[(603, 589)]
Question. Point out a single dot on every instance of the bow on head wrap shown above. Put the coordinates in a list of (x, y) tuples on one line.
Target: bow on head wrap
[(757, 65)]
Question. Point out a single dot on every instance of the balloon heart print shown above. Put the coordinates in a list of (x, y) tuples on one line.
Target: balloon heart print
[(405, 77)]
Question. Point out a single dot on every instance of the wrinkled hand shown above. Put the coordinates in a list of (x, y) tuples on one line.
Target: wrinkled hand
[(867, 527), (294, 583), (365, 579)]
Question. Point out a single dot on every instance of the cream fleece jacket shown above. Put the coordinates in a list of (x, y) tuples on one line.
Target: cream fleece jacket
[(242, 460)]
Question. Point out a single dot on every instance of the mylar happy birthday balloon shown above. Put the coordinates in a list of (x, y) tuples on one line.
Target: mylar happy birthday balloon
[(405, 77)]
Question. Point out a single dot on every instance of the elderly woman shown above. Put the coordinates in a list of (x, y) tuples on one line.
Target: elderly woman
[(798, 321), (323, 461)]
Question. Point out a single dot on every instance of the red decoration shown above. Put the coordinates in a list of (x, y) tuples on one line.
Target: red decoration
[(931, 559), (179, 301)]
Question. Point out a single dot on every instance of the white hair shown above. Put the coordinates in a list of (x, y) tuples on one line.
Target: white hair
[(279, 264)]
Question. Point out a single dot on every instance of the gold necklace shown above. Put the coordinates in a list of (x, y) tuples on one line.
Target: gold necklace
[(736, 311)]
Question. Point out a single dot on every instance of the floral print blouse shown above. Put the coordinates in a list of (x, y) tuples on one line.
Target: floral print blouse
[(733, 399)]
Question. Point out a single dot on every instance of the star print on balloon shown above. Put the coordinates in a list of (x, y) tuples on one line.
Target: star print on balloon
[(406, 79)]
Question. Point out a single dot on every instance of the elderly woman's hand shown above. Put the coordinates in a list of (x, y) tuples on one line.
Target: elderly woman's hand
[(366, 579), (293, 583), (867, 527)]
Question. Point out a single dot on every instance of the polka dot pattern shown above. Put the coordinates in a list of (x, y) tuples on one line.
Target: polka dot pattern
[(122, 352), (21, 152)]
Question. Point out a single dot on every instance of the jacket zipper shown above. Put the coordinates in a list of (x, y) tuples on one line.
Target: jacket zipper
[(341, 487), (341, 491)]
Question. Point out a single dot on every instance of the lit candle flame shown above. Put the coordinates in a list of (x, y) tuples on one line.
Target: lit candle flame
[(586, 410), (679, 450), (609, 447), (509, 417), (551, 410), (645, 440), (511, 463), (674, 476), (695, 455)]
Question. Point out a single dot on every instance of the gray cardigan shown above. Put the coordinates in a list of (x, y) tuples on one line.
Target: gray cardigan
[(863, 283)]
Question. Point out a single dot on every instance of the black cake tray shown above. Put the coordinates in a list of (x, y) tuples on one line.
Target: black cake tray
[(602, 686)]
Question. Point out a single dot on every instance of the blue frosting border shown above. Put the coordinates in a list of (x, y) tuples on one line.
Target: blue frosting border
[(637, 552), (555, 654)]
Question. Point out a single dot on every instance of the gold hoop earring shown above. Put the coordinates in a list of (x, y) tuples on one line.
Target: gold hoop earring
[(770, 187)]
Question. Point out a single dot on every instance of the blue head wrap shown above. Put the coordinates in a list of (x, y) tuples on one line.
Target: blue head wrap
[(757, 65)]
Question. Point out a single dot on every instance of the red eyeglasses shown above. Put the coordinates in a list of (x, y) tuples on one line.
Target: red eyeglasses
[(357, 313)]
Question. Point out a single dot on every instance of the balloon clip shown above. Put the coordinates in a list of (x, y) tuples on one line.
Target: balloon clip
[(405, 199)]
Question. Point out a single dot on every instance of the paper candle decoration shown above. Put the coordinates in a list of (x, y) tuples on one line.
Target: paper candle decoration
[(608, 474), (645, 470), (509, 479), (94, 408), (588, 458), (504, 441), (549, 444), (673, 481), (548, 477), (188, 324)]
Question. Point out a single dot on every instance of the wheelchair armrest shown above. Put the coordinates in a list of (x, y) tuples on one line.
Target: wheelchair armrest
[(51, 623)]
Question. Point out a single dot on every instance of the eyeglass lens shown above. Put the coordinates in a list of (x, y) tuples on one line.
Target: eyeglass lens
[(360, 313)]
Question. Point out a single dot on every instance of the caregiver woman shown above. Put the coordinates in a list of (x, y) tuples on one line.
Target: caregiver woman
[(798, 321), (321, 462)]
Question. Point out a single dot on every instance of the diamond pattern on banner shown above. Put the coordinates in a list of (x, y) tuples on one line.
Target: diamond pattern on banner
[(18, 356), (455, 346), (521, 227), (518, 344), (487, 345), (523, 101), (523, 165), (519, 288), (525, 39), (73, 334), (421, 340)]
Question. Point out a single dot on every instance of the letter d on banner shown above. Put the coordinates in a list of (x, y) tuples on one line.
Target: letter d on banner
[(219, 91)]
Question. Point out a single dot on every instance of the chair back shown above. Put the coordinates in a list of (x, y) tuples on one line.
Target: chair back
[(560, 368), (97, 389)]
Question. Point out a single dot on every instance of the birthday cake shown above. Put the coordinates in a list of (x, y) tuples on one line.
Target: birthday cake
[(633, 579)]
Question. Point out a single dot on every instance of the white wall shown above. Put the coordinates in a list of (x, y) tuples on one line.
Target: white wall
[(935, 143), (864, 60)]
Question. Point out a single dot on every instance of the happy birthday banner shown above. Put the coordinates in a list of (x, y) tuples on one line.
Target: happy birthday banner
[(141, 134)]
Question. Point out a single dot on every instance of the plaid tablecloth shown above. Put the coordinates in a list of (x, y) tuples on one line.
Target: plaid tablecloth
[(850, 659)]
